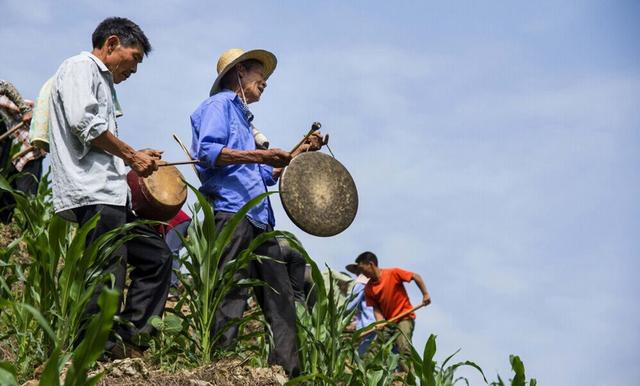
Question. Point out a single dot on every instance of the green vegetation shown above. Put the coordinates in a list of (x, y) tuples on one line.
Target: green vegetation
[(45, 288)]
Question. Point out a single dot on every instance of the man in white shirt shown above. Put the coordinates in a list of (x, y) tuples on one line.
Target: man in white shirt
[(88, 167)]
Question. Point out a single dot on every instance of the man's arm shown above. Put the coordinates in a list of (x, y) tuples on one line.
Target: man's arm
[(426, 299), (142, 162), (275, 157)]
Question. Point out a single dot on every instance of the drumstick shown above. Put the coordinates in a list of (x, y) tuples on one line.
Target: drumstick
[(402, 315), (314, 127), (186, 152), (192, 162), (11, 131)]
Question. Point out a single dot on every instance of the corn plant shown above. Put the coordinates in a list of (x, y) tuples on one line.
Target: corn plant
[(377, 367), (208, 282), (330, 356), (55, 284), (519, 378), (89, 349), (426, 371)]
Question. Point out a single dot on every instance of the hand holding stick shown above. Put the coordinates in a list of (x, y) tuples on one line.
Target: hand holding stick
[(314, 127), (392, 320), (11, 131), (192, 162)]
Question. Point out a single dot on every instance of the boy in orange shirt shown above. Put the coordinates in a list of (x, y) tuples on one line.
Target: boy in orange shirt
[(385, 292)]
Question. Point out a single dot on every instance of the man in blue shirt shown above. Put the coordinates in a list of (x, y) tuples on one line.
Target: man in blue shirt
[(232, 172)]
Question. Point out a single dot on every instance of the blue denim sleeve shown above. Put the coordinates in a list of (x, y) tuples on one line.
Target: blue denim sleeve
[(213, 134), (359, 297), (267, 175)]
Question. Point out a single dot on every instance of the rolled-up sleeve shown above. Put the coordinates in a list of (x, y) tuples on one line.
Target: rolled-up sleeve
[(86, 115), (213, 133)]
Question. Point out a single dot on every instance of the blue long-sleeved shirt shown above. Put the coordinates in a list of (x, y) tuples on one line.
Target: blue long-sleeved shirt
[(364, 314), (222, 120)]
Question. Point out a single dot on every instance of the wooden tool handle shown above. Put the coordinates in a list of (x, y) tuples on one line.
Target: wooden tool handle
[(393, 320), (11, 131), (314, 127)]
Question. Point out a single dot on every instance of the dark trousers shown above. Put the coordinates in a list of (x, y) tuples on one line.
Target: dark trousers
[(296, 266), (27, 183), (151, 261), (277, 306)]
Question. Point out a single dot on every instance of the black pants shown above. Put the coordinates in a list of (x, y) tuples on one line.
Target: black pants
[(151, 261), (278, 307), (296, 266), (27, 183)]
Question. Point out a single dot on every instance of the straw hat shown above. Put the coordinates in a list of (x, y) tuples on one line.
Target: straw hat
[(231, 57)]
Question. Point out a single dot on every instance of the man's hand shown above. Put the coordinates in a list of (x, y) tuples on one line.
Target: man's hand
[(26, 117), (426, 300), (277, 158), (313, 143), (157, 154), (143, 163)]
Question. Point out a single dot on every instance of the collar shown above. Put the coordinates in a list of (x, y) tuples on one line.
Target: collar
[(99, 62), (238, 102)]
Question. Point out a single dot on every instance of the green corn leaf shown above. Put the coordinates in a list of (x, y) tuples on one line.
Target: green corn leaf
[(8, 374), (92, 346), (40, 319), (51, 374)]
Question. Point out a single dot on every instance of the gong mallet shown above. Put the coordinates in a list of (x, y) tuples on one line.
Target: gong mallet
[(184, 148), (11, 131), (314, 127), (392, 320), (192, 162)]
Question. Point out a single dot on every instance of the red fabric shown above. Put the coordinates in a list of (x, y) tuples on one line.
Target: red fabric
[(389, 294), (178, 219)]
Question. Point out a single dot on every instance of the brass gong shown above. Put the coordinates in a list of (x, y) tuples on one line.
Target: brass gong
[(318, 194)]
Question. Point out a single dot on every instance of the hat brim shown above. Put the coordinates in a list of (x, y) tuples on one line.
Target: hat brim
[(265, 57), (353, 268)]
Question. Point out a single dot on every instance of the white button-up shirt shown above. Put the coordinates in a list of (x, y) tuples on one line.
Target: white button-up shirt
[(83, 105)]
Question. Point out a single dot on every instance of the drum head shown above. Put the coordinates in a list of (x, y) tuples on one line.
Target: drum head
[(166, 186), (318, 194)]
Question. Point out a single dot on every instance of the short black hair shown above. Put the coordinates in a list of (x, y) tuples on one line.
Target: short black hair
[(128, 32), (367, 257)]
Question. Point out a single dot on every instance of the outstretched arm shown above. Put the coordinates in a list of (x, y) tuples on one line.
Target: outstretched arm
[(426, 299)]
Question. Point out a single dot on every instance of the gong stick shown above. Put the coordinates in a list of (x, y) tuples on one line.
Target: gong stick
[(314, 127), (392, 320), (184, 148), (192, 162), (11, 131)]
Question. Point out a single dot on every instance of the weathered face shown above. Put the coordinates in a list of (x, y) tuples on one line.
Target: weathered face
[(253, 82), (123, 61)]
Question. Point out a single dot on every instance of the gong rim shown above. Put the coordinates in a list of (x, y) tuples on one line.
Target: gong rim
[(318, 194)]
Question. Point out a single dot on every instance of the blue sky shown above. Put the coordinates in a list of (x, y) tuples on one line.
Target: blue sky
[(494, 146)]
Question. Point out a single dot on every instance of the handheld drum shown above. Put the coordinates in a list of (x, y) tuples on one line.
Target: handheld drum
[(159, 196)]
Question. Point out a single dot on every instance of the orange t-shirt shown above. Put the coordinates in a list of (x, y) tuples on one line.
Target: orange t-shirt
[(389, 294)]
